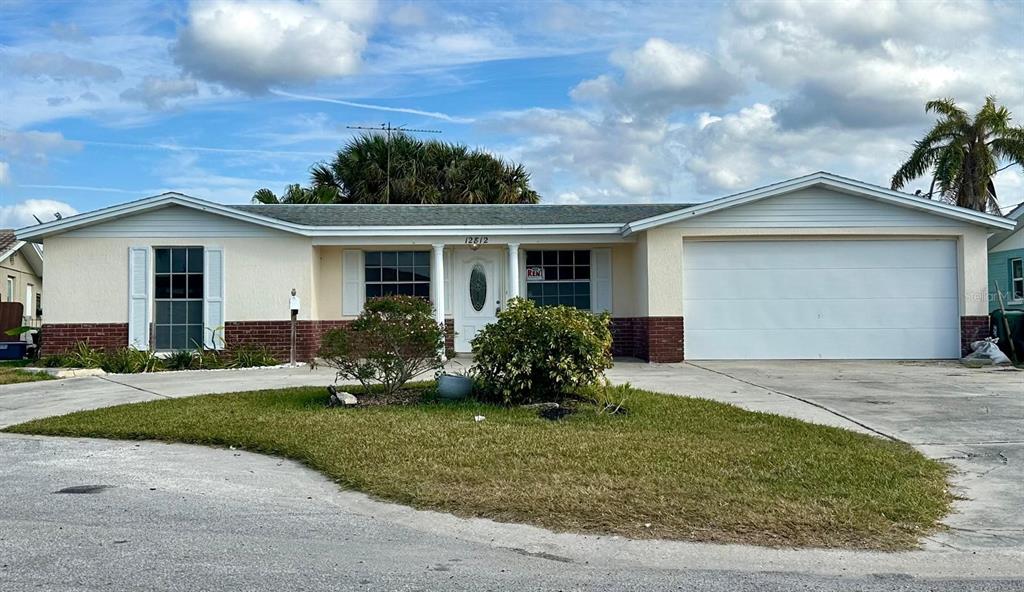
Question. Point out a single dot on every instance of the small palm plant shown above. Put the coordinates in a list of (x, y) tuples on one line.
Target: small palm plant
[(964, 153)]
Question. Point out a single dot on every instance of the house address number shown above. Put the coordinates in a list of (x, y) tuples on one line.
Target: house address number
[(477, 240)]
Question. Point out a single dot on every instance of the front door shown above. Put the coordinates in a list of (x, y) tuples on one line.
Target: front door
[(477, 295)]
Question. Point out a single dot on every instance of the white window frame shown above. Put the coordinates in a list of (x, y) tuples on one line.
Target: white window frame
[(590, 268), (1016, 281), (11, 281), (154, 301)]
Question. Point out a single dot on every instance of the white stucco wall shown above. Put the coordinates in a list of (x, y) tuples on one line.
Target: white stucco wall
[(89, 276)]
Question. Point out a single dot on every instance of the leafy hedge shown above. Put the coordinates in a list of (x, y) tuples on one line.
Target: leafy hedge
[(540, 353)]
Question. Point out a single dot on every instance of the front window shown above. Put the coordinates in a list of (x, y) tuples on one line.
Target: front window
[(405, 273), (1017, 279), (558, 277), (178, 295), (10, 289)]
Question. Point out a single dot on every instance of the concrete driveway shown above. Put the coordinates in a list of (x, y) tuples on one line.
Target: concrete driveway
[(970, 418)]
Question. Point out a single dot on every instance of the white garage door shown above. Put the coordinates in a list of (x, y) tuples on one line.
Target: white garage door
[(820, 299)]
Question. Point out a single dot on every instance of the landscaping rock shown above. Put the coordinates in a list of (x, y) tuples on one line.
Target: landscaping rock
[(340, 399)]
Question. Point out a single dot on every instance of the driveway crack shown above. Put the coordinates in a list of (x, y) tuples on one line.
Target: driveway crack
[(802, 400), (132, 386)]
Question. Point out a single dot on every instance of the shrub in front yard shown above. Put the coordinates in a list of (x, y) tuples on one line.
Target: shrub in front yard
[(539, 353), (126, 360), (394, 339), (245, 356)]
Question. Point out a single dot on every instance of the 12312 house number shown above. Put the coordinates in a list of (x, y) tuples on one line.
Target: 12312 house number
[(477, 240)]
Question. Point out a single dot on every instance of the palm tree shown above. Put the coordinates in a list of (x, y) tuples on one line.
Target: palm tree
[(296, 194), (401, 169), (964, 153)]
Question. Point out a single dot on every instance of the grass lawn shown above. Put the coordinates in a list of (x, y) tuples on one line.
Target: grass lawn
[(10, 373), (673, 468)]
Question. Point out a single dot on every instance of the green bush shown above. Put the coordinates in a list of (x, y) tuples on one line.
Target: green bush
[(394, 339), (540, 353), (181, 360), (248, 356), (126, 360), (82, 355)]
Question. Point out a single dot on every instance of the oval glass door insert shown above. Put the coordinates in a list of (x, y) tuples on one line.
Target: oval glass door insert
[(478, 287)]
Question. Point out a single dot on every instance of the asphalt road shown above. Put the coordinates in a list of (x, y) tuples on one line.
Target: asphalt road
[(151, 516)]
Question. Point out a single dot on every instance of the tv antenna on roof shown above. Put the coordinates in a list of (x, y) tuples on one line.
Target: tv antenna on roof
[(388, 129)]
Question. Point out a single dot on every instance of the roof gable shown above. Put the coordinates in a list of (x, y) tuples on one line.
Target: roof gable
[(830, 181), (155, 202), (9, 245)]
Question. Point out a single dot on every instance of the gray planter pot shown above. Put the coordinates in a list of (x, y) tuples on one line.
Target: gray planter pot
[(454, 387)]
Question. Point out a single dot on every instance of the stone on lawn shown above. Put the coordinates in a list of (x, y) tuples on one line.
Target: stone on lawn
[(340, 399)]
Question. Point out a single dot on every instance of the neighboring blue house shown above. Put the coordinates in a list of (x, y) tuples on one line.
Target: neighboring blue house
[(1006, 264)]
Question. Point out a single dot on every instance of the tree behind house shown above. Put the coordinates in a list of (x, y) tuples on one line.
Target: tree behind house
[(375, 169), (964, 153)]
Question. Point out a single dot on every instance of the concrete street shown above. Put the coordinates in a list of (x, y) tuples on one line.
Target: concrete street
[(184, 517)]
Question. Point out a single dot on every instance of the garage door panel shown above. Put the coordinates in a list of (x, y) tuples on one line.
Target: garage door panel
[(807, 344), (819, 254), (817, 283), (827, 299), (831, 314)]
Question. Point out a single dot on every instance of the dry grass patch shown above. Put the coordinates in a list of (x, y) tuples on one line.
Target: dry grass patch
[(673, 468), (10, 373)]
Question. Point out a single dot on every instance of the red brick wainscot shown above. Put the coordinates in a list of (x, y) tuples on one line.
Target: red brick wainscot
[(276, 336), (654, 339), (60, 337), (973, 328)]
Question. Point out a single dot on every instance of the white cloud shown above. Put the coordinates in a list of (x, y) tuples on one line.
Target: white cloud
[(662, 76), (608, 157), (21, 214), (253, 46), (870, 64), (5, 173), (154, 92), (62, 67), (35, 145)]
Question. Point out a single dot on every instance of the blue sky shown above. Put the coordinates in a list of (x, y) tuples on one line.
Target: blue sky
[(604, 102)]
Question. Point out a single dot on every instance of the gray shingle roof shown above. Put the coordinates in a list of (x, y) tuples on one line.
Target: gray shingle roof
[(457, 215)]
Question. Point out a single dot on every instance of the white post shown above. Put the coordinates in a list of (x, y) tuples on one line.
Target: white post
[(513, 270), (437, 283)]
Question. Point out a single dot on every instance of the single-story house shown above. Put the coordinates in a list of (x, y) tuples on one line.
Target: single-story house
[(820, 267), (21, 271), (1006, 264)]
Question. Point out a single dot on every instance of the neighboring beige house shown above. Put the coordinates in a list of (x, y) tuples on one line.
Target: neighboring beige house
[(21, 275), (817, 267)]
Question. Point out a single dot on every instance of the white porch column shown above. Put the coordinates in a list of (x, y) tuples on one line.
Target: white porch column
[(437, 283), (513, 270)]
